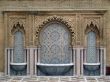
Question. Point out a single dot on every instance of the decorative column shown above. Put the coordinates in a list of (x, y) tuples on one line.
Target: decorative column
[(31, 61)]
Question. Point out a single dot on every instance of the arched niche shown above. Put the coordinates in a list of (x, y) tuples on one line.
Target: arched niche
[(54, 19), (93, 35), (55, 39), (18, 33)]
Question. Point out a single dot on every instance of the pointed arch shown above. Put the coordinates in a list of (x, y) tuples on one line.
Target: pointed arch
[(18, 35), (92, 35), (92, 28), (17, 27)]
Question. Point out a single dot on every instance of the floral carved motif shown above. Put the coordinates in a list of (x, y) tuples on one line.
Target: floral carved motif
[(55, 19)]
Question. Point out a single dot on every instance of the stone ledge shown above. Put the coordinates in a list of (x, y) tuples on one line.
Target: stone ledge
[(53, 79)]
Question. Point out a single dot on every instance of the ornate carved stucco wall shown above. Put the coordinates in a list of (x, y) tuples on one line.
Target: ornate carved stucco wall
[(78, 13), (2, 42), (33, 23)]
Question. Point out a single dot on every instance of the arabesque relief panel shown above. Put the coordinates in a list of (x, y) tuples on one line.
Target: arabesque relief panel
[(68, 20), (32, 22), (11, 21), (96, 20)]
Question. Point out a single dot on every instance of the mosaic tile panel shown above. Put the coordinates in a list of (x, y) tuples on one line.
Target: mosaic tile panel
[(91, 48), (18, 48), (18, 56), (55, 48), (55, 41)]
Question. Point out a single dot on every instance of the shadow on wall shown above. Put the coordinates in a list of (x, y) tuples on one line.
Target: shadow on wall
[(107, 70)]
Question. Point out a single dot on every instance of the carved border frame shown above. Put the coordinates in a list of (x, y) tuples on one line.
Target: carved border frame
[(55, 19)]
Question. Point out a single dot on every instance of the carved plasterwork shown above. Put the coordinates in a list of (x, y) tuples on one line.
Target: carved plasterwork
[(33, 24), (55, 19), (92, 22), (14, 19), (18, 27), (92, 28)]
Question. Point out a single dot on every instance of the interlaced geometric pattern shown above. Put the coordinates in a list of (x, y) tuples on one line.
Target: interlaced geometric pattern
[(18, 48), (55, 42), (91, 47), (91, 70)]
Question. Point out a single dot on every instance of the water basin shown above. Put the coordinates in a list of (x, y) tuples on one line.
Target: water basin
[(55, 69)]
